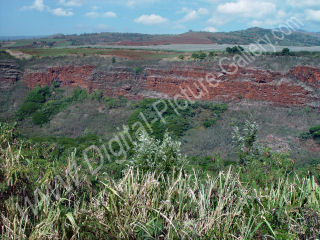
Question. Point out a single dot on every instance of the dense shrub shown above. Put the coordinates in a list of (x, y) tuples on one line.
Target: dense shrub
[(314, 132), (234, 50), (79, 94), (96, 95), (138, 70), (209, 123), (33, 101), (151, 155), (118, 102), (200, 56), (40, 118)]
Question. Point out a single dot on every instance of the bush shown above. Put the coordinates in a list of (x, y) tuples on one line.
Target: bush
[(40, 118), (96, 95), (195, 55), (38, 95), (235, 50), (285, 52), (314, 129), (138, 70), (79, 94), (209, 123), (314, 132), (202, 55), (121, 101), (181, 57), (33, 101), (151, 155), (27, 109)]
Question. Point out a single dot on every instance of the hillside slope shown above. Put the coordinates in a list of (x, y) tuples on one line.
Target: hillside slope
[(251, 35)]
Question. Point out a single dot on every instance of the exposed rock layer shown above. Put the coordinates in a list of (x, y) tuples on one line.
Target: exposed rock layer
[(299, 86), (9, 74)]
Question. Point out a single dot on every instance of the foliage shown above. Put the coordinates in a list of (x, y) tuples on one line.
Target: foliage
[(151, 155), (32, 103), (79, 94), (245, 142), (234, 50), (235, 203), (211, 54), (41, 104), (200, 55), (118, 102), (96, 95), (314, 132), (195, 55), (285, 51), (215, 113), (138, 70), (181, 57), (209, 123), (175, 119)]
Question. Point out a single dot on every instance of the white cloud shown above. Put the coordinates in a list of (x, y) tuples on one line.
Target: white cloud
[(247, 8), (110, 15), (61, 12), (102, 27), (270, 22), (193, 14), (150, 19), (219, 20), (304, 3), (133, 3), (313, 15), (37, 5), (71, 3), (92, 14), (210, 29)]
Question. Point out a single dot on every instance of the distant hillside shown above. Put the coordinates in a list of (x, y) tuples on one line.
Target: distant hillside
[(251, 35)]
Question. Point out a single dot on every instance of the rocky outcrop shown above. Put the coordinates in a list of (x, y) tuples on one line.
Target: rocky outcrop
[(298, 87), (9, 73), (66, 76)]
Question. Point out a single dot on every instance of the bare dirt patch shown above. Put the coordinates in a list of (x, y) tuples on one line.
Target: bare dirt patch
[(19, 54)]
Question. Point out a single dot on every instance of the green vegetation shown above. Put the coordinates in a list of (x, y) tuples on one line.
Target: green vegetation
[(234, 50), (200, 56), (314, 132), (42, 105), (100, 51), (49, 194), (138, 70), (118, 102), (33, 102), (176, 118)]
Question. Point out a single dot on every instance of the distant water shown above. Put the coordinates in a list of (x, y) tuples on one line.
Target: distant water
[(11, 38)]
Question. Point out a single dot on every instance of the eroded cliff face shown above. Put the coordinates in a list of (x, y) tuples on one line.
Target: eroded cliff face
[(9, 74), (298, 87)]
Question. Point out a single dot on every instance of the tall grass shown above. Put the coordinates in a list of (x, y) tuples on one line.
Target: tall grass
[(149, 205)]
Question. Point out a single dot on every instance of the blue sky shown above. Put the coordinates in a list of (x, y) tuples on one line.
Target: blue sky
[(45, 17)]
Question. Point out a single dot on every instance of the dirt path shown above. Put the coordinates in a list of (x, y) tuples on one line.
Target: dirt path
[(18, 54)]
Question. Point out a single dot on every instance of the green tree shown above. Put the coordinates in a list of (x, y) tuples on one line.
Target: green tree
[(285, 51), (202, 55), (195, 56)]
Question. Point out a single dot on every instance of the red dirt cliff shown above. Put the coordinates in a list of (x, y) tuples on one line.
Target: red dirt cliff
[(298, 87)]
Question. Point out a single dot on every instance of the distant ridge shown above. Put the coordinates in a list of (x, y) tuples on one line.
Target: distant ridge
[(243, 37)]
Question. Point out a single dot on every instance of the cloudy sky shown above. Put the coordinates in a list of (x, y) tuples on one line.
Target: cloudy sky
[(44, 17)]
